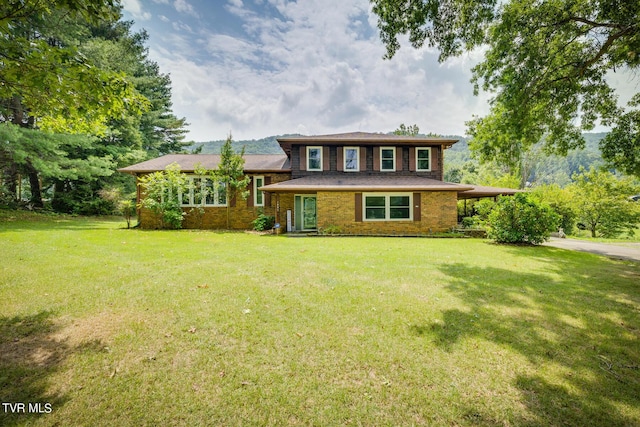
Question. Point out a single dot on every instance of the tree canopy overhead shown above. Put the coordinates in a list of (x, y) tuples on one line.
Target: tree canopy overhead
[(546, 65)]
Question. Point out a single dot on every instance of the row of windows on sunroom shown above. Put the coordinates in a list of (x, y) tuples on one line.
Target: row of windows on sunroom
[(201, 191), (351, 159)]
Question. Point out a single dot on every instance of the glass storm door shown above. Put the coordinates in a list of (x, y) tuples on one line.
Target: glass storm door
[(305, 212), (308, 212)]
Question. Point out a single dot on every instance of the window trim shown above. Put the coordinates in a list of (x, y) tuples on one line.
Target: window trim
[(257, 192), (190, 186), (344, 159), (387, 206), (319, 148), (418, 150), (393, 169)]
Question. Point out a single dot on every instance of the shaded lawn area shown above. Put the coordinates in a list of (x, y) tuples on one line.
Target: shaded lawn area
[(130, 327)]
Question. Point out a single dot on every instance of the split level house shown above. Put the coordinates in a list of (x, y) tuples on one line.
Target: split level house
[(352, 183)]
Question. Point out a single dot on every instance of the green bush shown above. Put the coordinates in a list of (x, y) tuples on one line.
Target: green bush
[(263, 222), (468, 222), (332, 229), (519, 219)]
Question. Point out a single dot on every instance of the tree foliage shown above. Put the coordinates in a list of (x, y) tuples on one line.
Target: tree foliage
[(161, 195), (46, 81), (230, 173), (83, 97), (520, 219), (411, 130), (601, 202), (546, 66)]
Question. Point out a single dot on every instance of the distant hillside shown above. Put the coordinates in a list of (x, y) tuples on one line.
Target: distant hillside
[(267, 145), (542, 168)]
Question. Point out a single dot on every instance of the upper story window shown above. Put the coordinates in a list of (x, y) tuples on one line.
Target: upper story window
[(314, 158), (423, 159), (258, 197), (387, 159), (351, 159)]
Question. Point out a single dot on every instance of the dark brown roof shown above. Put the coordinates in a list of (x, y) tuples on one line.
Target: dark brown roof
[(363, 138), (364, 183), (480, 191), (188, 162)]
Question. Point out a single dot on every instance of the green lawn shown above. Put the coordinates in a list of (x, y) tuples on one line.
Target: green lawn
[(128, 327)]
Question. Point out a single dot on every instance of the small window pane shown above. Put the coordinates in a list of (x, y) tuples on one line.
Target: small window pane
[(374, 201), (399, 200), (314, 162), (375, 213), (259, 183), (222, 194), (423, 159), (210, 194), (351, 159), (387, 161), (399, 213), (196, 189)]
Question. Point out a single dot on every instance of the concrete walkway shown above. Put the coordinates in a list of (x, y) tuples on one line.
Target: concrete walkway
[(630, 251)]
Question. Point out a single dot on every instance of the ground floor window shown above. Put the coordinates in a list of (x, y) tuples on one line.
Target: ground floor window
[(203, 191), (387, 207)]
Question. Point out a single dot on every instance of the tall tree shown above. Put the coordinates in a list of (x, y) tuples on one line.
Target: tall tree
[(48, 85), (230, 174), (546, 65), (129, 138)]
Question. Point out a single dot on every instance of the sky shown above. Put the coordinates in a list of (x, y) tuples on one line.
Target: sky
[(257, 68)]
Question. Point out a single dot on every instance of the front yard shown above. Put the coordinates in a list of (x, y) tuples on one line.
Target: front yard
[(110, 326)]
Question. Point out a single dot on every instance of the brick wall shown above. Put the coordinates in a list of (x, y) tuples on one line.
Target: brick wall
[(438, 213), (240, 216)]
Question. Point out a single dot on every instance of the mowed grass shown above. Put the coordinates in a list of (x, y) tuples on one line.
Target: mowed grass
[(130, 327)]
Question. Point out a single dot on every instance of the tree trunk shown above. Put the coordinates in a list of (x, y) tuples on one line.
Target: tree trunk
[(36, 190), (11, 178), (593, 231)]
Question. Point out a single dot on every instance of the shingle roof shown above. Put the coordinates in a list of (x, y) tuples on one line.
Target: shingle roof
[(364, 183), (188, 162)]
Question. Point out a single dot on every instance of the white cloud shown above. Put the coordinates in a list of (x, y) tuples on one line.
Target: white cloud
[(315, 68), (183, 6), (135, 8)]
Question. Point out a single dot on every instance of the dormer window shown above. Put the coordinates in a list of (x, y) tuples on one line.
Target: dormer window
[(423, 159), (314, 158), (351, 159)]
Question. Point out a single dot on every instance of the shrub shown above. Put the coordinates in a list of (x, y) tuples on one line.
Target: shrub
[(263, 222), (332, 229), (519, 219), (161, 195), (468, 222), (128, 209)]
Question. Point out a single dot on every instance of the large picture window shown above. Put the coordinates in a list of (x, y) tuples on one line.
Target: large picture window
[(423, 159), (351, 159), (314, 158), (387, 159), (387, 207), (202, 191)]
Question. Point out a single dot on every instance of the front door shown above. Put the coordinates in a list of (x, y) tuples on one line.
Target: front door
[(305, 212)]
